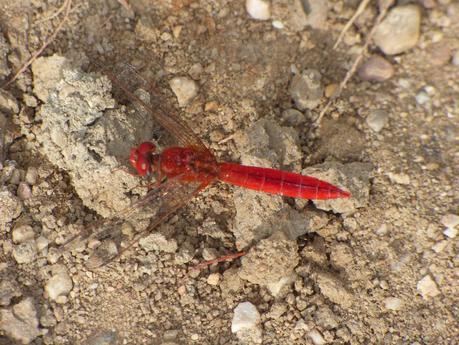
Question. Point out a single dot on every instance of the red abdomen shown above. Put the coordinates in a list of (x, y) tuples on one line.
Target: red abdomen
[(279, 182)]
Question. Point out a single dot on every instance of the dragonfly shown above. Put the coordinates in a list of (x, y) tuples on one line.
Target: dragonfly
[(182, 171)]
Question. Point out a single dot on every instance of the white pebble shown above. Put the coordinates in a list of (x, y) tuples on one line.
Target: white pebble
[(422, 98), (450, 220), (26, 252), (400, 30), (185, 89), (277, 24), (31, 176), (59, 285), (213, 279), (246, 316), (316, 337), (377, 119), (427, 287), (22, 234), (450, 232), (393, 303), (258, 9)]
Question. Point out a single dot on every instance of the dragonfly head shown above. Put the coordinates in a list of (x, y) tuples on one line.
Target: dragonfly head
[(141, 158)]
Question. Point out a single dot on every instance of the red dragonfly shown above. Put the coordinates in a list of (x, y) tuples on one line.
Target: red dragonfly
[(182, 171)]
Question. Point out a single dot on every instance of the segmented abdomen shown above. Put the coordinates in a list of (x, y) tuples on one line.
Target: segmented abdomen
[(279, 182)]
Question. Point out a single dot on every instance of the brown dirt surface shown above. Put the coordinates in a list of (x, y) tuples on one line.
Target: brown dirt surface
[(381, 267)]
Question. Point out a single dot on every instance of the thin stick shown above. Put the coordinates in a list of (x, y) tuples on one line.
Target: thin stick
[(45, 44), (351, 21), (359, 58), (228, 257)]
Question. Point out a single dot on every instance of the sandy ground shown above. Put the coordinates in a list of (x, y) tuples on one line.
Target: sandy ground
[(381, 267)]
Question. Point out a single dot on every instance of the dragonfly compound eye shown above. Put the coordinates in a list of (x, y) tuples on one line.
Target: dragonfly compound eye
[(146, 148)]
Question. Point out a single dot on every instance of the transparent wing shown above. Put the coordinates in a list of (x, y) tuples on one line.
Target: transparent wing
[(110, 238), (126, 78)]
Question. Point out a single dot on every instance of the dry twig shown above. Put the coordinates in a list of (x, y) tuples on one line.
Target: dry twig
[(359, 58)]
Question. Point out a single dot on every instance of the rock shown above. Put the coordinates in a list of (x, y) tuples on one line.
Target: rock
[(20, 322), (59, 284), (334, 290), (49, 71), (455, 59), (450, 220), (105, 337), (439, 53), (393, 303), (450, 232), (306, 89), (316, 337), (400, 30), (377, 119), (293, 117), (8, 290), (376, 68), (4, 50), (31, 176), (24, 191), (157, 241), (270, 261), (246, 323), (22, 234), (258, 9), (26, 252), (352, 177), (77, 138), (422, 97), (185, 89), (427, 287), (213, 279), (8, 104)]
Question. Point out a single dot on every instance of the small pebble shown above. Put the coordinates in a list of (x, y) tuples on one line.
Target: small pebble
[(195, 71), (377, 119), (42, 243), (450, 232), (20, 322), (246, 316), (401, 178), (427, 287), (422, 97), (185, 89), (376, 68), (26, 252), (450, 220), (400, 30), (24, 192), (316, 337), (382, 230), (331, 89), (306, 89), (293, 117), (439, 246), (213, 279), (22, 234), (59, 285), (258, 9), (455, 59), (31, 176), (195, 337), (439, 54), (393, 303)]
